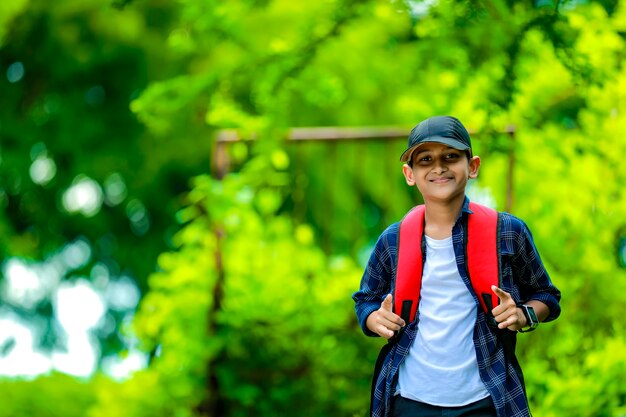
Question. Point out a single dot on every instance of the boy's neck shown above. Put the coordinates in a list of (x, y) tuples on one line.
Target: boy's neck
[(440, 217)]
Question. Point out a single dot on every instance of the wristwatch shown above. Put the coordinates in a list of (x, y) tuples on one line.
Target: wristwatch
[(531, 318)]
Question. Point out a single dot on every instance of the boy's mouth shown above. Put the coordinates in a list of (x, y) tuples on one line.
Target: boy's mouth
[(440, 180)]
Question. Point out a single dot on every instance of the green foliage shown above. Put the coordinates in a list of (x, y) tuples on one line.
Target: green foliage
[(249, 312), (69, 73), (248, 316), (55, 395)]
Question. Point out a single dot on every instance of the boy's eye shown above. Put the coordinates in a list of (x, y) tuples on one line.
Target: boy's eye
[(426, 159)]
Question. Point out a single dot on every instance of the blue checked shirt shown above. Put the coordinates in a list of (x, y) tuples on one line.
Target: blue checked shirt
[(523, 276)]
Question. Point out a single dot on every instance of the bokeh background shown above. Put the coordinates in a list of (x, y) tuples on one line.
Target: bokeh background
[(189, 191)]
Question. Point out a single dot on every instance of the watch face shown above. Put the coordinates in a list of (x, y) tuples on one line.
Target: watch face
[(531, 316), (531, 319)]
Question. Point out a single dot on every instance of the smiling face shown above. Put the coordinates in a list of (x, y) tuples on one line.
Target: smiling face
[(440, 172)]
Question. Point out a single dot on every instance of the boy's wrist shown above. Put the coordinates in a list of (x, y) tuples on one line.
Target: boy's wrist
[(521, 318), (530, 318)]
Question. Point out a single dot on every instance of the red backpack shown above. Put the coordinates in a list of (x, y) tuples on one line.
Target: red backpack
[(482, 255), (482, 259)]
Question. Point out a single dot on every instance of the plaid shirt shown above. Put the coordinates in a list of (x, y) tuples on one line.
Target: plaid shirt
[(523, 276)]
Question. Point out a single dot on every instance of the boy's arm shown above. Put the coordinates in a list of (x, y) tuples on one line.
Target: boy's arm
[(376, 282), (542, 311), (509, 316), (536, 287), (532, 283)]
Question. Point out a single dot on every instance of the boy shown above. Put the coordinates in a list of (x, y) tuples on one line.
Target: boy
[(449, 360)]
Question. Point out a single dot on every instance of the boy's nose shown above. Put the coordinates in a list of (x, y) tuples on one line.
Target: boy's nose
[(440, 166)]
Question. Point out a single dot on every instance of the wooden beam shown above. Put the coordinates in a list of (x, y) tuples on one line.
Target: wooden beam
[(336, 133), (324, 133)]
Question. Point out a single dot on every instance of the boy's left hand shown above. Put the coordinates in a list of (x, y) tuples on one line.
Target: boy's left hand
[(507, 314)]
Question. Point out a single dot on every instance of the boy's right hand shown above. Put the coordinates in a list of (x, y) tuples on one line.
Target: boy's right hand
[(384, 321)]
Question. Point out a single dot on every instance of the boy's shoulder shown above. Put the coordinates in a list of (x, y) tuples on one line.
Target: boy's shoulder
[(513, 228), (390, 232), (388, 239), (512, 222)]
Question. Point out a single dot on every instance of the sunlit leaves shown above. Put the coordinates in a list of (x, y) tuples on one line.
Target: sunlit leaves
[(261, 67), (598, 40), (159, 104), (51, 399), (8, 10), (283, 307), (227, 113)]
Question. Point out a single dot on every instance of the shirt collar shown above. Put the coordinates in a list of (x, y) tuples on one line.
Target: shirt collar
[(465, 208)]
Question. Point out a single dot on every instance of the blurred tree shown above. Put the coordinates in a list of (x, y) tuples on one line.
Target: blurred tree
[(75, 163), (553, 69), (484, 62), (257, 301), (51, 399)]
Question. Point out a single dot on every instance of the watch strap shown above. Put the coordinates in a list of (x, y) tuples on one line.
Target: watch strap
[(531, 318)]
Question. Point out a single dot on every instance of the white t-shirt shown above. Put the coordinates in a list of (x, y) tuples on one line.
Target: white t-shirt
[(441, 368)]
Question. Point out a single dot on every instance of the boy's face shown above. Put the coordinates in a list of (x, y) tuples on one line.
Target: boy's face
[(440, 172)]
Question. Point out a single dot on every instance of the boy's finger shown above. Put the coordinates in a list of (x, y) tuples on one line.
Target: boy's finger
[(388, 334), (385, 332), (388, 314), (508, 322), (387, 303), (502, 295), (394, 323)]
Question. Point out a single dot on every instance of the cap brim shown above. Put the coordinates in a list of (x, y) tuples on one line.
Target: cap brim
[(406, 155)]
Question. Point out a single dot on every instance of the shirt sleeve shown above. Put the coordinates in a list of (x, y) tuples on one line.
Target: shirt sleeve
[(377, 279), (531, 275)]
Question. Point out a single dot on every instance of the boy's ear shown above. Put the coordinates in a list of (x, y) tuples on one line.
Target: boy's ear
[(474, 166), (408, 174)]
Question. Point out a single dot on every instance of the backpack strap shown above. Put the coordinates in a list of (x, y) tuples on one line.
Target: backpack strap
[(482, 254), (483, 250), (409, 269)]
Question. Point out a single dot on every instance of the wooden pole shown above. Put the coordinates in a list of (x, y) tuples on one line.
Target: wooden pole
[(510, 191)]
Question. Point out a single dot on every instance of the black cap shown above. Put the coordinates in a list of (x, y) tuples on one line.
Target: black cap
[(442, 129)]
